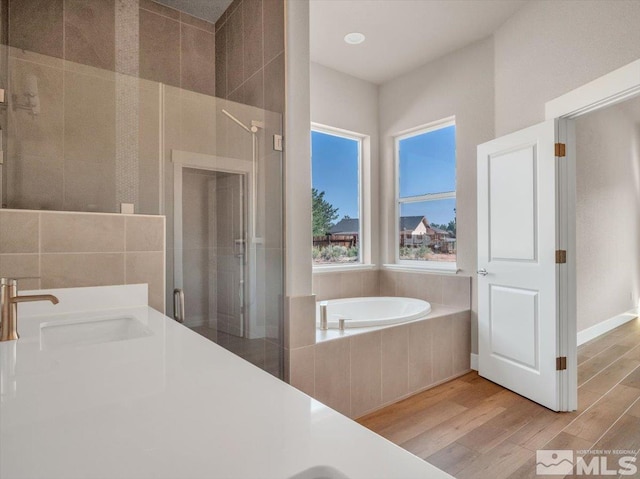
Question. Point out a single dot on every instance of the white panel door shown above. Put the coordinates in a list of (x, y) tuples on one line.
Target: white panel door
[(517, 299)]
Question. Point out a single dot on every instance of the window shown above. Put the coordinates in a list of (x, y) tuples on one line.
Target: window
[(426, 196), (336, 183)]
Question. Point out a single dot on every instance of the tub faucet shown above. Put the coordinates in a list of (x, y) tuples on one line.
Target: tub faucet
[(9, 300), (324, 324)]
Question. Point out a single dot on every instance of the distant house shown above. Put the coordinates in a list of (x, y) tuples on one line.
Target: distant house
[(346, 226), (414, 231)]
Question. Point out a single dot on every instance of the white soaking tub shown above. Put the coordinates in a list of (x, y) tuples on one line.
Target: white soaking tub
[(372, 311)]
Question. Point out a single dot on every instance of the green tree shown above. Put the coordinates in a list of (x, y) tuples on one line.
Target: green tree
[(324, 213)]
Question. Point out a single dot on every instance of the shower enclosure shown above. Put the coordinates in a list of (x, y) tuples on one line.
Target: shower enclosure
[(80, 138)]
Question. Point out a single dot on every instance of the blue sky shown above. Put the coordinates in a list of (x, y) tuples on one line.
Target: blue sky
[(427, 165)]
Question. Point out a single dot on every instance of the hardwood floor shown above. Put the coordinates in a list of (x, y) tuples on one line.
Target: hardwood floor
[(473, 428)]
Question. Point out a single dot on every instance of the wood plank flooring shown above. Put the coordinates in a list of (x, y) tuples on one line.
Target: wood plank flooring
[(473, 428)]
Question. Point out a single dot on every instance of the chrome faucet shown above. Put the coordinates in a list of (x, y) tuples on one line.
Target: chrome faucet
[(324, 324), (9, 300)]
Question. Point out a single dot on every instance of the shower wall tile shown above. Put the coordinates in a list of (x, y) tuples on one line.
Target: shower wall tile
[(37, 25), (149, 148), (235, 48), (198, 123), (19, 232), (187, 19), (25, 266), (253, 38), (81, 269), (221, 61), (254, 90), (36, 182), (63, 250), (89, 117), (160, 9), (250, 39), (274, 84), (89, 185), (89, 32), (198, 66), (40, 136), (144, 233), (159, 48), (273, 25), (67, 233)]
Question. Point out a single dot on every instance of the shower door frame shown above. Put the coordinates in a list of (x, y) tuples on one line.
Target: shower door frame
[(219, 164)]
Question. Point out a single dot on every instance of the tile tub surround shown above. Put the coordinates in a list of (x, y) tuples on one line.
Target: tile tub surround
[(446, 289), (64, 250), (360, 370)]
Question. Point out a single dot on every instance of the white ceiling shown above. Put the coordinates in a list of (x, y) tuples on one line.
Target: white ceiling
[(401, 34)]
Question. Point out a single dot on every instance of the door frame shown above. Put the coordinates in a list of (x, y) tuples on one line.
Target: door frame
[(610, 89), (200, 161)]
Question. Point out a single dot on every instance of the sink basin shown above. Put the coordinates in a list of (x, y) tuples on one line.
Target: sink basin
[(90, 331), (320, 472)]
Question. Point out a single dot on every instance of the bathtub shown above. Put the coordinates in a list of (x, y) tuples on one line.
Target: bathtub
[(372, 311)]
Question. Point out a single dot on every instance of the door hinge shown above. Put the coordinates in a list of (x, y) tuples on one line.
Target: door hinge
[(561, 150), (561, 363), (561, 256)]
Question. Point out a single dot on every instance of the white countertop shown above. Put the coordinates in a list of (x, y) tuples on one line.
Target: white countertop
[(168, 405)]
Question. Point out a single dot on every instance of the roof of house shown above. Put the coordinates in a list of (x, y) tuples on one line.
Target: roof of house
[(346, 225), (407, 223), (410, 223)]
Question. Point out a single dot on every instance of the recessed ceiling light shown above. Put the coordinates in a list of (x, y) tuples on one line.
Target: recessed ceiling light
[(354, 38)]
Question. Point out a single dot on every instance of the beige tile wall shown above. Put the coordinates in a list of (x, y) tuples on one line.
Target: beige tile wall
[(357, 374), (62, 250), (173, 47), (348, 284), (451, 290), (250, 54)]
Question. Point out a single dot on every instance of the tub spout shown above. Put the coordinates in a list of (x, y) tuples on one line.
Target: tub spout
[(324, 323)]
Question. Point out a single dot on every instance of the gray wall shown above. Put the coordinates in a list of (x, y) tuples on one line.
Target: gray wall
[(549, 48), (608, 212)]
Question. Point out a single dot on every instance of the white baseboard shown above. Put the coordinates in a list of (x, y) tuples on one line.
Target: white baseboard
[(474, 361), (605, 326)]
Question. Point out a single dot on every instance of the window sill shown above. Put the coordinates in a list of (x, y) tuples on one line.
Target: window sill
[(443, 268), (333, 268)]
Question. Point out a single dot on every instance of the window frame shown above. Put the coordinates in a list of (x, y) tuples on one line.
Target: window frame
[(416, 264), (363, 196)]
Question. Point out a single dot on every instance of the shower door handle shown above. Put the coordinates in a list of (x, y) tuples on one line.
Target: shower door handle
[(178, 305)]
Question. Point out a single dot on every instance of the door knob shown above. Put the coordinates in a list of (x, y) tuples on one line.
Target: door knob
[(483, 272)]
